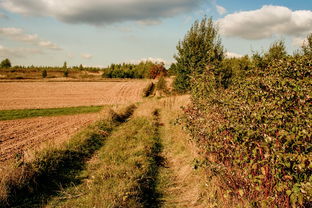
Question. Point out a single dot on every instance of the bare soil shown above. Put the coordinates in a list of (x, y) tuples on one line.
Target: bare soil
[(32, 95), (18, 136)]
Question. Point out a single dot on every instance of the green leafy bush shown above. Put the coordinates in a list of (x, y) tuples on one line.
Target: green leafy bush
[(258, 131)]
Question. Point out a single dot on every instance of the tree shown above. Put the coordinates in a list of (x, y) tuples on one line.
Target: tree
[(5, 64), (307, 46), (276, 52), (201, 47), (65, 65), (157, 70)]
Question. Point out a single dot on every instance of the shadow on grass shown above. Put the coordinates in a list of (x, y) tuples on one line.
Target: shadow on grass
[(58, 169), (150, 196)]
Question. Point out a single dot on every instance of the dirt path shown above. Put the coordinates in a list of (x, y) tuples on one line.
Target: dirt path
[(18, 136)]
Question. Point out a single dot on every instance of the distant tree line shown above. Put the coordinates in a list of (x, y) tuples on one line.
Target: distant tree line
[(146, 69)]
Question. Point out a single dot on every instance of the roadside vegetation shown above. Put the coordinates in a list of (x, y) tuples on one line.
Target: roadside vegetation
[(251, 118), (30, 113)]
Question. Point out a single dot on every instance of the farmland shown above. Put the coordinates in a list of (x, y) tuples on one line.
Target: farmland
[(20, 135), (29, 95)]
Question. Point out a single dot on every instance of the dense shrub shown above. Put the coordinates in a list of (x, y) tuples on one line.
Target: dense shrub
[(258, 131)]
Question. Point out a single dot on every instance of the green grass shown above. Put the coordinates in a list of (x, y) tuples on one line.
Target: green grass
[(29, 113)]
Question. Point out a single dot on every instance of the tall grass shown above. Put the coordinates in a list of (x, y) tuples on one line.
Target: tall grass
[(31, 183)]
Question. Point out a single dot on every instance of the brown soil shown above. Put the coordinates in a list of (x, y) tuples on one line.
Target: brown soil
[(18, 136), (30, 95)]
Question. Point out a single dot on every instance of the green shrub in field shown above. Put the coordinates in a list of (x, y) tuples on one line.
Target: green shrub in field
[(65, 73), (162, 84), (44, 73)]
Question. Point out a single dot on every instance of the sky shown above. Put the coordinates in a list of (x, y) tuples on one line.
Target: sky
[(100, 32)]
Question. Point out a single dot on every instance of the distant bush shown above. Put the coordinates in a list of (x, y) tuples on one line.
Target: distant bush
[(6, 63), (162, 85), (66, 72), (44, 73)]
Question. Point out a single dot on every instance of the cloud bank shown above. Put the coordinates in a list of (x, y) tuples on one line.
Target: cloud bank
[(18, 52), (266, 22), (18, 34), (99, 12)]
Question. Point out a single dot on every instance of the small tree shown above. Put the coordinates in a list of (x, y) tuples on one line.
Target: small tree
[(201, 47), (161, 84), (157, 70), (276, 52), (65, 65), (307, 46), (44, 73), (5, 63)]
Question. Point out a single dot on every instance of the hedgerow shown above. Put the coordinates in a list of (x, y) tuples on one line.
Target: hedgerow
[(257, 132)]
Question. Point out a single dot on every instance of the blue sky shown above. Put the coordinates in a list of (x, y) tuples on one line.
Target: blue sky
[(101, 32)]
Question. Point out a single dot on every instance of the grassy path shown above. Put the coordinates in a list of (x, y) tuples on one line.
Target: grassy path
[(180, 181), (123, 172)]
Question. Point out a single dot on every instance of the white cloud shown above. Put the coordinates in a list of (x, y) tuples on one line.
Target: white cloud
[(18, 34), (98, 12), (233, 55), (18, 52), (266, 22), (221, 10), (152, 59), (49, 45), (86, 56), (149, 22)]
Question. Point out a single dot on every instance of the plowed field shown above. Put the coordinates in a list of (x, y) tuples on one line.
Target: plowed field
[(24, 134), (30, 95), (17, 136)]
